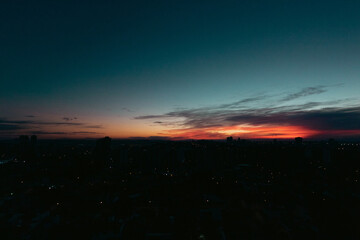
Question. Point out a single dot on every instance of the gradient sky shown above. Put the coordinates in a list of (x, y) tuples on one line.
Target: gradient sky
[(180, 69)]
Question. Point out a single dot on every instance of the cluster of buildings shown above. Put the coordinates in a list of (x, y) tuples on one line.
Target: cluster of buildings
[(233, 189)]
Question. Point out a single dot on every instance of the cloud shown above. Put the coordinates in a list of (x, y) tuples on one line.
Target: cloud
[(212, 117), (31, 122), (304, 92), (256, 116), (40, 123), (47, 133), (126, 109), (152, 116), (69, 119), (9, 127), (85, 132), (243, 101), (323, 119), (30, 116), (94, 126), (30, 127)]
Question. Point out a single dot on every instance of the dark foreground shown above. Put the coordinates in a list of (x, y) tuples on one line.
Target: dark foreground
[(179, 190)]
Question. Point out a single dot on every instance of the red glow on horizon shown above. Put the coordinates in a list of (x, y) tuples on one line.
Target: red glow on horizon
[(251, 132), (212, 133)]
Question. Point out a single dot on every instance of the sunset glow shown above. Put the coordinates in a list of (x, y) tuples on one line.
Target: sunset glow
[(180, 70), (249, 132)]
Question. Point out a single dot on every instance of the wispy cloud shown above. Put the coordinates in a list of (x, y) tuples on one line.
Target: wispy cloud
[(69, 118), (9, 127), (254, 115), (31, 122), (47, 133), (304, 92), (125, 109), (85, 132), (94, 126)]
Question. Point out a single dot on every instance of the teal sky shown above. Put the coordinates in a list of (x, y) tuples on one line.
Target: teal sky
[(110, 64)]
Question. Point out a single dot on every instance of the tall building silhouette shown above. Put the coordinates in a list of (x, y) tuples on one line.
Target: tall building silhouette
[(102, 151), (299, 140)]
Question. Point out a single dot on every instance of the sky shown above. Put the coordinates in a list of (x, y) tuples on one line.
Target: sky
[(180, 69)]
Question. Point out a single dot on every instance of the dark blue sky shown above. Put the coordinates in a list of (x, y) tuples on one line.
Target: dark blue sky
[(109, 62)]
